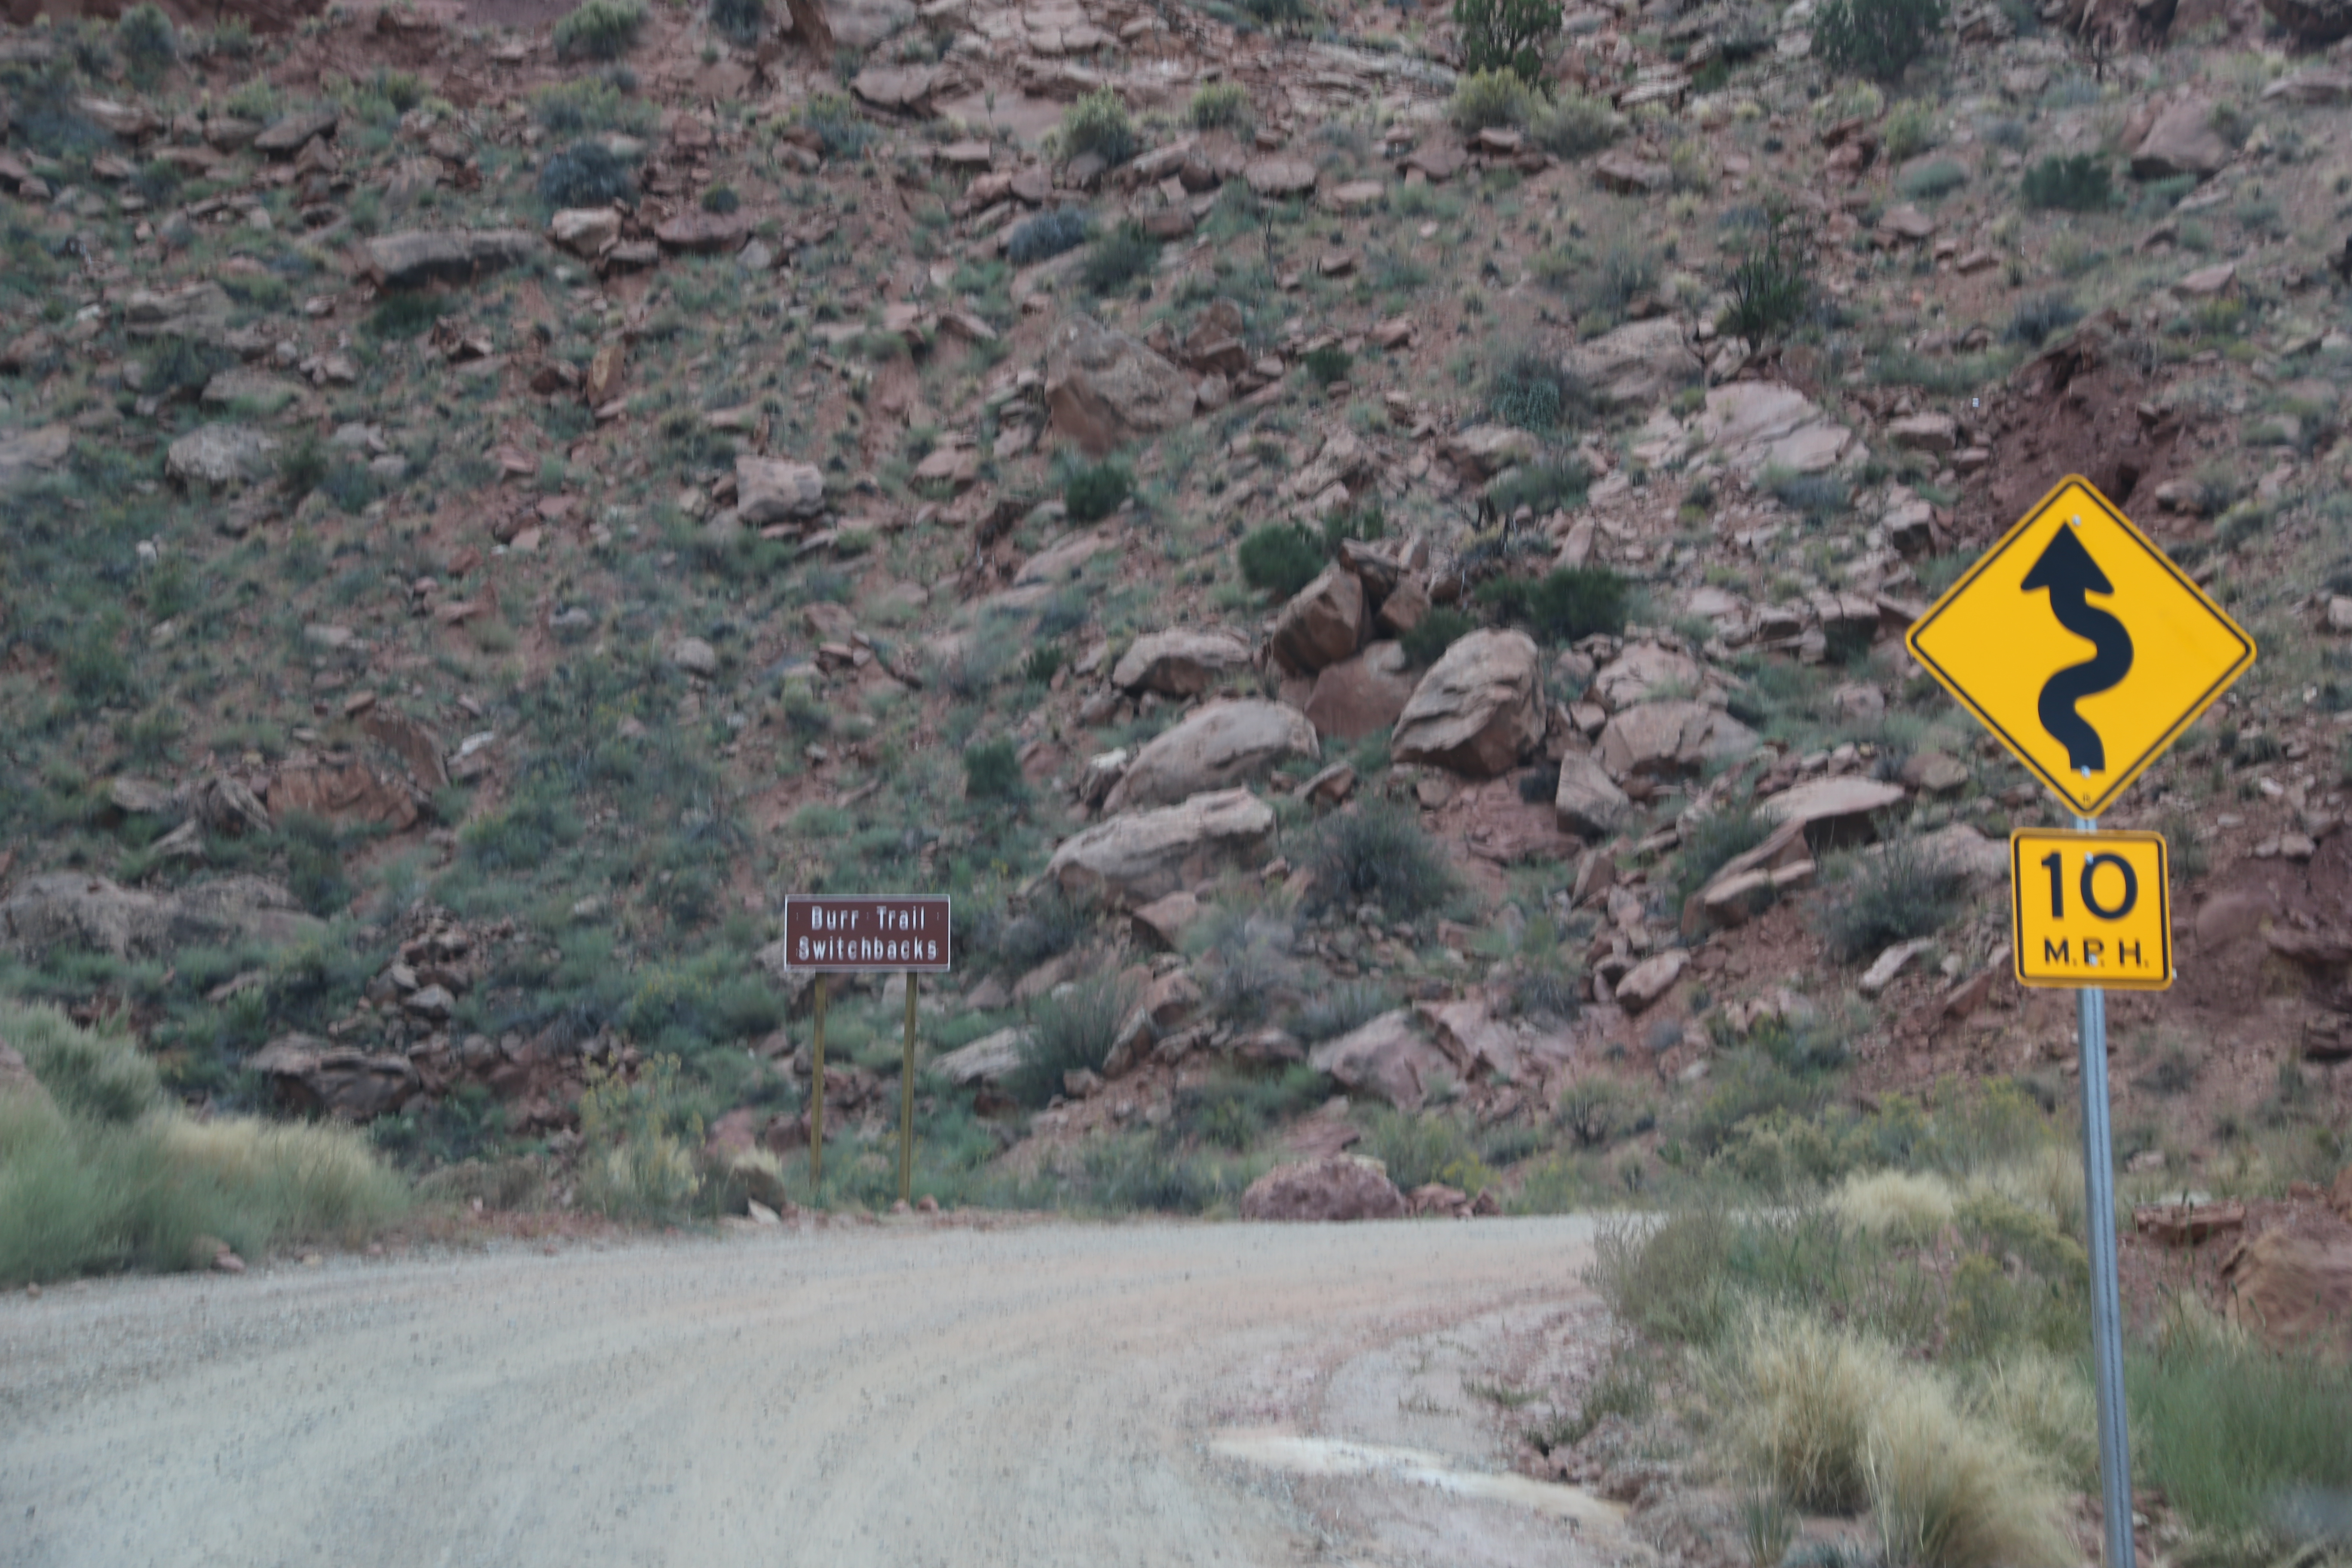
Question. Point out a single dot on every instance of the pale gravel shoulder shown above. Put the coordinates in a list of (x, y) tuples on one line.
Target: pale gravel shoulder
[(904, 1394)]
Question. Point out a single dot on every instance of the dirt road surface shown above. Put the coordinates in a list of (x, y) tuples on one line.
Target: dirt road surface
[(901, 1395)]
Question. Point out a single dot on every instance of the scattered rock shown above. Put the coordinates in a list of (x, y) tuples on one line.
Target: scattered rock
[(1356, 696), (2295, 1290), (313, 1077), (1146, 854), (1339, 1187), (1889, 964), (1180, 663), (1834, 810), (990, 1060), (221, 455), (1479, 711), (771, 490), (1278, 177), (1389, 1058), (1650, 979), (1216, 747), (73, 909), (1322, 623), (1638, 364), (1104, 389), (418, 256), (1587, 801), (1671, 739), (695, 657), (2182, 141)]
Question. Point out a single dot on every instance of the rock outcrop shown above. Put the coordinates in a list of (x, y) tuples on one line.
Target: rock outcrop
[(1479, 711)]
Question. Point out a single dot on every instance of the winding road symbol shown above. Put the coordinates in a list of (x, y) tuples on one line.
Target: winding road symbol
[(2161, 651), (2067, 571)]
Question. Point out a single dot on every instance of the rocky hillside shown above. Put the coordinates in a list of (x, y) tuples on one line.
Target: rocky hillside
[(1378, 585)]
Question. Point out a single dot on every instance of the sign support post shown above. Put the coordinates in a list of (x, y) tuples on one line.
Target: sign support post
[(817, 1106), (2106, 1306), (2086, 652), (907, 1101)]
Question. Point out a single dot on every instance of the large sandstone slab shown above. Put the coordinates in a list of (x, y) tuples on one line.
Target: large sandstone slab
[(1637, 365), (1479, 711), (416, 257), (1389, 1058), (1105, 389), (1754, 425), (317, 1079), (1835, 810), (1147, 855), (1322, 623), (75, 910), (1671, 739), (1221, 745), (1180, 663), (2182, 141)]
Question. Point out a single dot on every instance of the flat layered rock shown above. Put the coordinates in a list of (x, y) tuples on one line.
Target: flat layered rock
[(1637, 365), (1671, 740), (418, 256), (1389, 1058), (1221, 745), (1180, 663), (1834, 810), (1147, 855)]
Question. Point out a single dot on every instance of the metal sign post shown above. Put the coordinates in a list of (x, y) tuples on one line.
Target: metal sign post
[(2107, 1304), (863, 935), (2086, 652)]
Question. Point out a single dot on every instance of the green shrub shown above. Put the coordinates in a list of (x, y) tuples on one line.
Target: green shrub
[(1220, 103), (840, 129), (992, 770), (586, 174), (637, 1142), (1819, 498), (600, 29), (1932, 181), (1713, 841), (1879, 39), (1280, 558), (1098, 123), (1067, 1033), (148, 42), (1908, 132), (1532, 391), (2039, 316), (739, 22), (1339, 1009), (1439, 629), (408, 314), (95, 1074), (1327, 364), (1666, 1279), (1124, 1175), (1051, 923), (1419, 1149), (303, 465), (1118, 258), (1770, 285), (1096, 489), (1568, 602), (1045, 236), (720, 199), (1901, 892), (1506, 34), (1540, 487), (2072, 181), (1378, 854), (2235, 1434), (1575, 124), (1486, 99), (588, 104)]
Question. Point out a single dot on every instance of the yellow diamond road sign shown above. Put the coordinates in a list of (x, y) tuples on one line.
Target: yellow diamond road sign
[(2090, 909), (2081, 646)]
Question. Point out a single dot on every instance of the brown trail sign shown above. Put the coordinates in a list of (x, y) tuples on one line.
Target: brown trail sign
[(860, 935)]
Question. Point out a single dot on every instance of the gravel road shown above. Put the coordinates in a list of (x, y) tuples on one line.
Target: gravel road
[(904, 1394)]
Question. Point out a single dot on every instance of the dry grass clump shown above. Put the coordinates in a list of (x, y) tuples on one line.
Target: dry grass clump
[(1950, 1490), (1802, 1399), (1898, 1206), (2048, 1180), (2046, 1401)]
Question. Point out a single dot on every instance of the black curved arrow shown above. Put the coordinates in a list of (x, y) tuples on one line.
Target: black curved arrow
[(2067, 570)]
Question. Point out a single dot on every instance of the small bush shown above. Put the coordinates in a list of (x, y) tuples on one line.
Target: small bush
[(992, 771), (303, 465), (1045, 236), (1531, 391), (1933, 180), (600, 29), (637, 1142), (1051, 925), (840, 129), (1280, 558), (588, 104), (2074, 182), (1417, 1150), (1218, 104), (1817, 497), (1378, 854), (1908, 131), (1713, 842), (721, 199), (1539, 487), (2232, 1431), (1807, 1394), (1506, 34), (148, 42), (1576, 124), (1880, 38), (1569, 603), (1439, 629), (1118, 257), (739, 22), (1098, 123), (1067, 1033), (585, 174), (1902, 892), (2037, 318), (1127, 1174), (1770, 287), (1901, 1205), (1487, 98), (95, 1074), (1591, 1110), (1341, 1009), (1666, 1279), (1328, 364), (1094, 491)]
